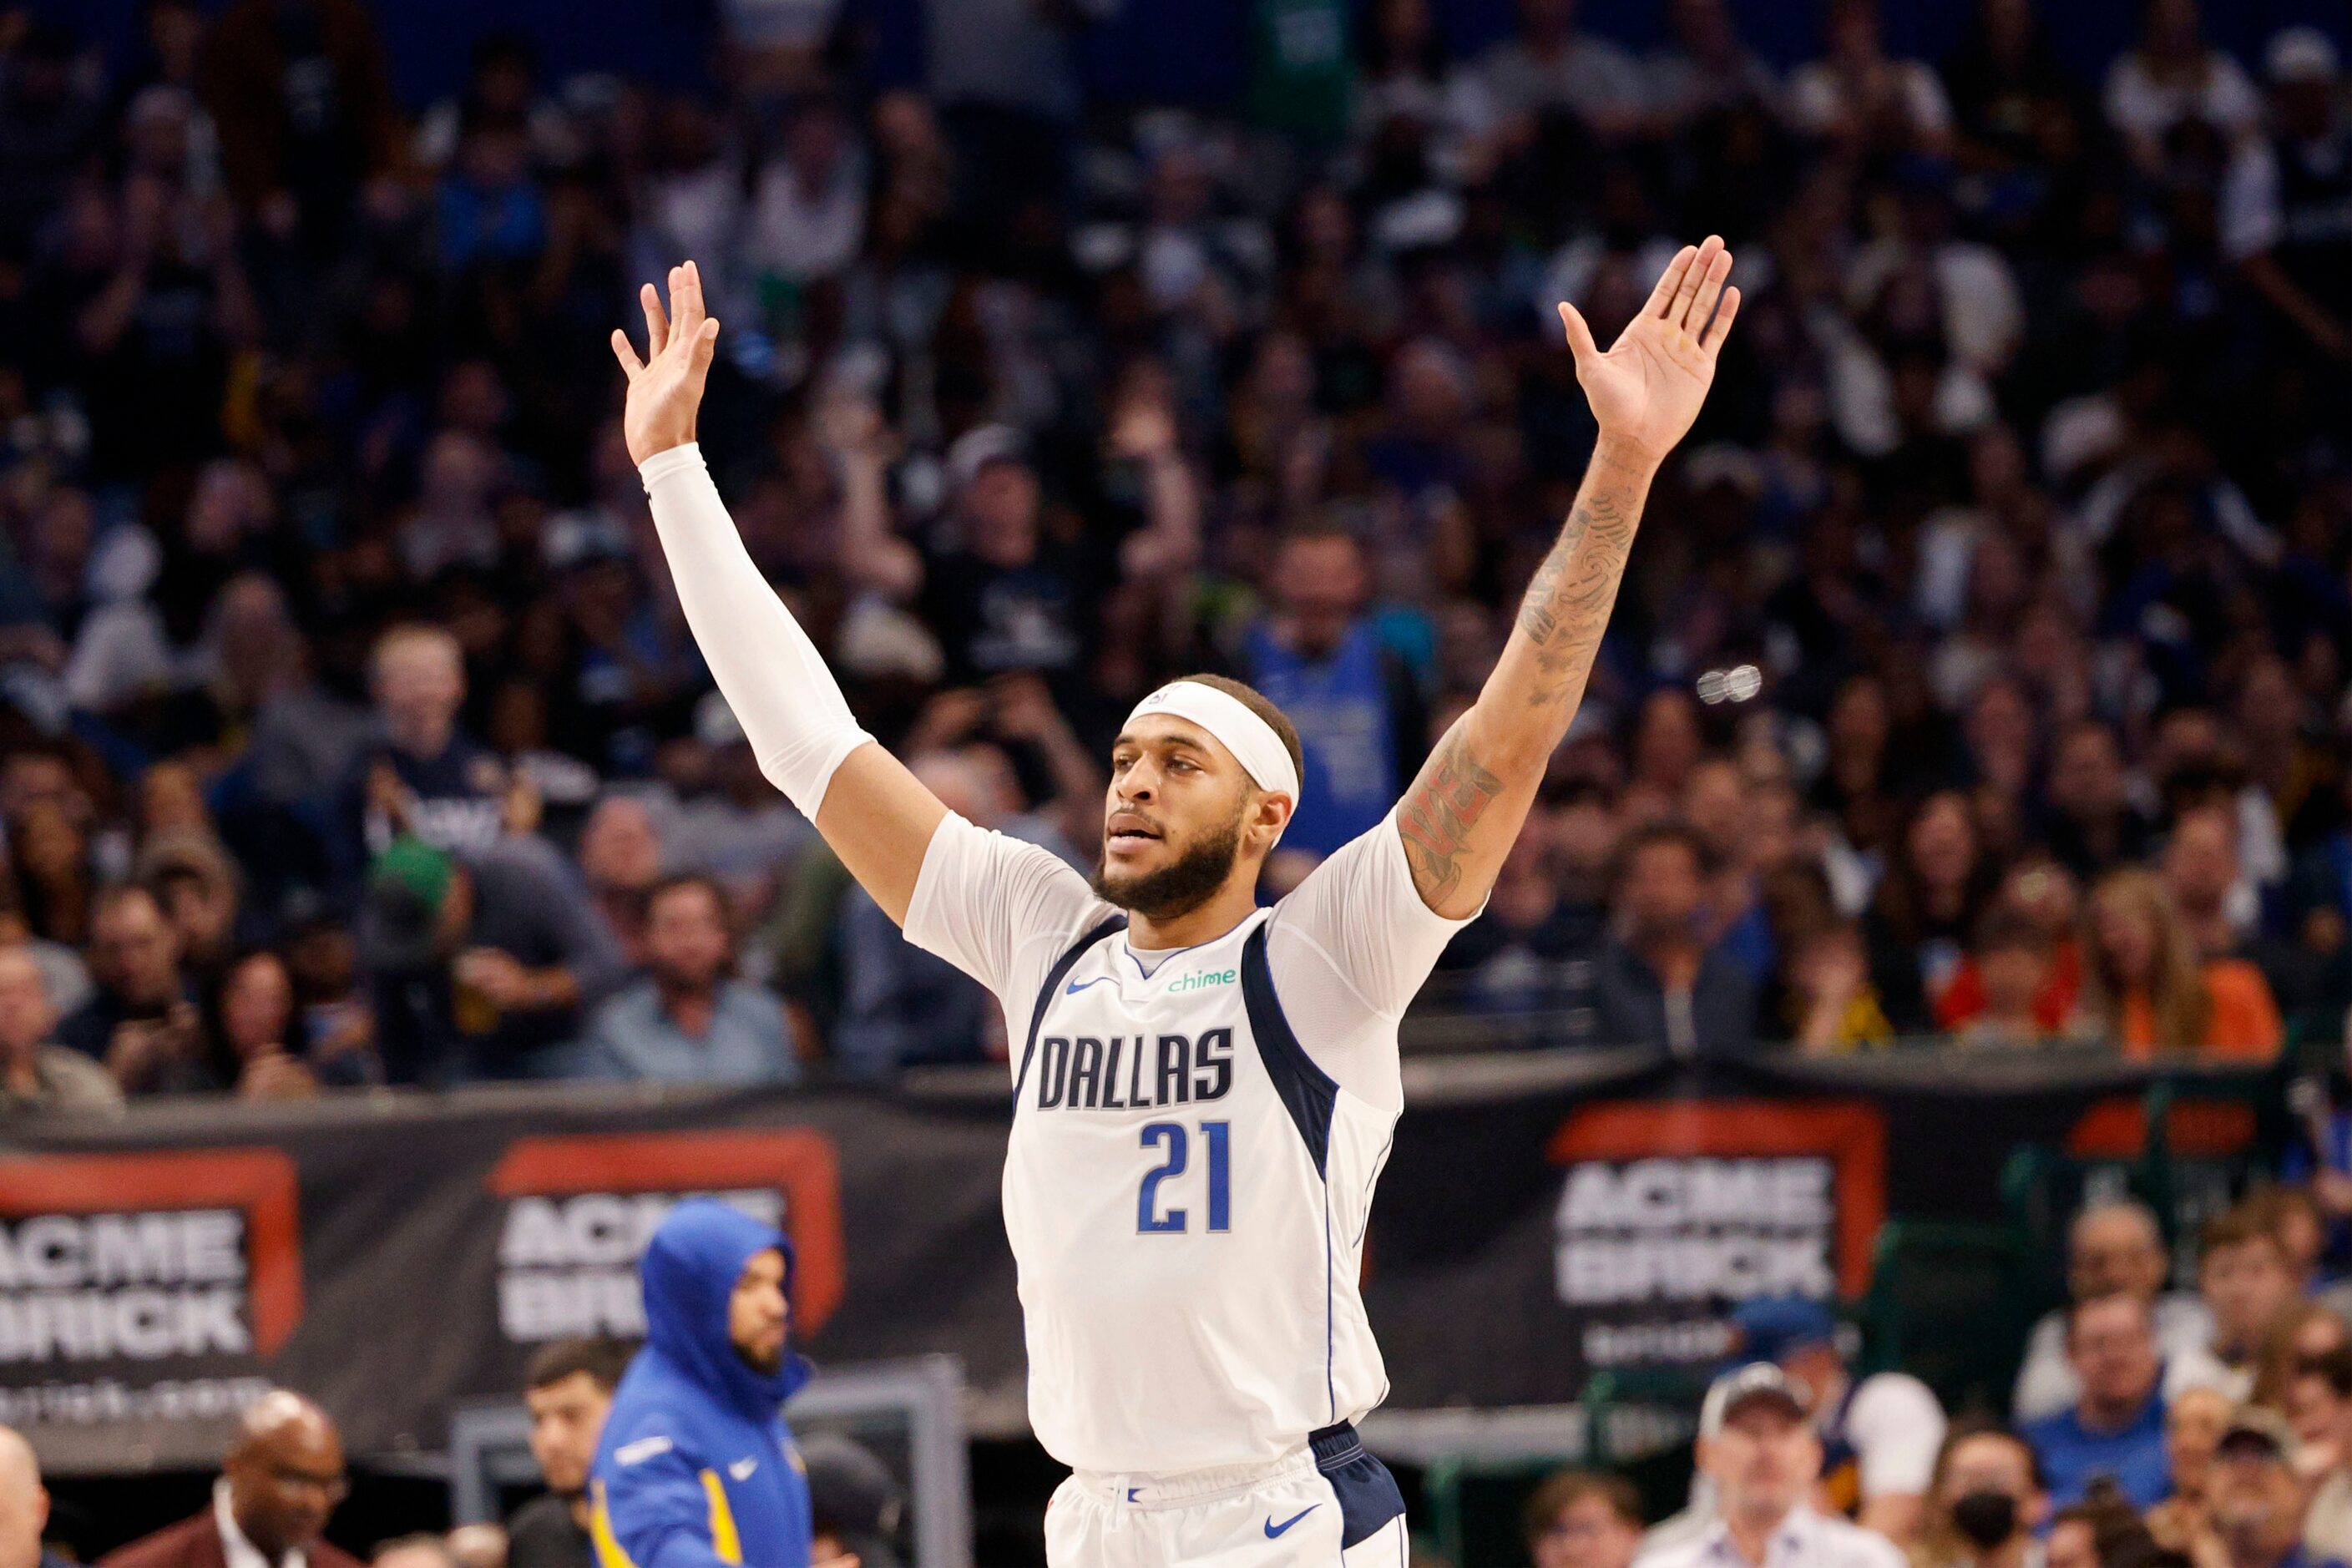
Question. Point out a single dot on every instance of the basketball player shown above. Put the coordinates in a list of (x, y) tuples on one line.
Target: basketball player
[(1204, 1089)]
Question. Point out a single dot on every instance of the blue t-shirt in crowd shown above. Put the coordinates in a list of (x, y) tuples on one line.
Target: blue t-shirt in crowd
[(2072, 1455)]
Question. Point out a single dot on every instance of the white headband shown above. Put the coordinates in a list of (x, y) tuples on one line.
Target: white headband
[(1249, 738)]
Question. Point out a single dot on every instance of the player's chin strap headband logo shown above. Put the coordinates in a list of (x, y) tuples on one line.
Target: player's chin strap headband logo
[(1249, 738)]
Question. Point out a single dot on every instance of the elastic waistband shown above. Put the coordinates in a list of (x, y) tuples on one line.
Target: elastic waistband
[(1326, 1449)]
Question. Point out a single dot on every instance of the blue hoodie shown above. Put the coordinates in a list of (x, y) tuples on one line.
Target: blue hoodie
[(696, 1467)]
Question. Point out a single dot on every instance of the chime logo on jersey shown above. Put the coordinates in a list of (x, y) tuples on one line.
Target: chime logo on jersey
[(1133, 1072), (148, 1257)]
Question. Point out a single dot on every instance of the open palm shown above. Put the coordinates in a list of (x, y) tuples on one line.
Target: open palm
[(1648, 388), (666, 386)]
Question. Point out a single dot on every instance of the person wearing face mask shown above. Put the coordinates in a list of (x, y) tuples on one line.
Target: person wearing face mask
[(2258, 1500), (1986, 1504)]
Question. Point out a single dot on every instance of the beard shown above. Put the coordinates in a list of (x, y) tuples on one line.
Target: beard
[(1182, 886)]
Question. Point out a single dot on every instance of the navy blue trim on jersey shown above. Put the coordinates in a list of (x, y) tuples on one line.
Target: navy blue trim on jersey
[(1306, 1090), (1054, 976), (1368, 1494)]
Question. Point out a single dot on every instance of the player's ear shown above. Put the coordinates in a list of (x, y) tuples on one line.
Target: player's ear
[(1273, 814)]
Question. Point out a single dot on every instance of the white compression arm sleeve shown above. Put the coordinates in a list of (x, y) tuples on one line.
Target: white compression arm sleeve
[(789, 706)]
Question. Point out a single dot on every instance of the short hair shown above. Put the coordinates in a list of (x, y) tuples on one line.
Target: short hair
[(414, 634), (2116, 1527), (1564, 1489), (116, 894), (602, 1361), (2333, 1367), (2075, 1310), (681, 879), (1968, 1428), (2248, 1222), (415, 1540), (1258, 702), (1652, 833), (2007, 928), (2141, 1213)]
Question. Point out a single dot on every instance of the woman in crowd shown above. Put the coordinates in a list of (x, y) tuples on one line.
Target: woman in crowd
[(2144, 990)]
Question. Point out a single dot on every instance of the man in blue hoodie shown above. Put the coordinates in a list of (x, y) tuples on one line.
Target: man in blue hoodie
[(696, 1467)]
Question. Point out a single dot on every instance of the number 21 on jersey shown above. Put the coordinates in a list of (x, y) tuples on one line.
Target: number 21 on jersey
[(1170, 1137)]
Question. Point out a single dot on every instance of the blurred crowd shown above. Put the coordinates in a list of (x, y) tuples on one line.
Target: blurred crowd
[(2152, 1427), (1982, 674)]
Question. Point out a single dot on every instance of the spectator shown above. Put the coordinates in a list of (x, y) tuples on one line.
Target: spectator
[(1837, 1004), (194, 883), (1986, 1504), (2103, 1531), (1528, 954), (2144, 989), (687, 1021), (306, 113), (711, 1382), (568, 1387), (2194, 1424), (35, 1073), (23, 1506), (481, 968), (257, 1024), (1858, 97), (1583, 1519), (1357, 706), (2319, 1408), (621, 859), (1659, 985), (422, 1550), (478, 1545), (856, 1503), (282, 1478), (144, 1021), (2116, 1426), (1758, 1449), (1928, 904), (2258, 1500), (2280, 188), (2201, 868), (2013, 968), (2172, 74), (2245, 1274), (1880, 1434), (2094, 824), (2112, 1246), (1550, 67), (2303, 1331), (424, 777)]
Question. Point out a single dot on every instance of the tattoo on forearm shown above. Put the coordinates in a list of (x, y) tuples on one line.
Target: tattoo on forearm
[(1567, 605), (1452, 793)]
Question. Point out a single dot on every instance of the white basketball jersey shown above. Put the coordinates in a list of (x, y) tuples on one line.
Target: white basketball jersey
[(1186, 1193), (1186, 1190)]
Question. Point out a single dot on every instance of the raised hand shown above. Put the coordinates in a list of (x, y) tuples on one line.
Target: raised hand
[(1647, 389), (666, 386)]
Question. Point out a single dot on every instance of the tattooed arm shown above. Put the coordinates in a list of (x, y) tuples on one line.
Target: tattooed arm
[(1464, 810)]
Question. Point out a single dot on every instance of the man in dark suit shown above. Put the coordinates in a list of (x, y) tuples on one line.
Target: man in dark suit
[(280, 1481)]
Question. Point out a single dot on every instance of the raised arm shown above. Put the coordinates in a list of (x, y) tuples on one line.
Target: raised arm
[(1463, 812), (874, 814)]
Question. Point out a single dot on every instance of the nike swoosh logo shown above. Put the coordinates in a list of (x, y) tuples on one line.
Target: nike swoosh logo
[(1075, 986), (1132, 1490), (741, 1469), (1273, 1529)]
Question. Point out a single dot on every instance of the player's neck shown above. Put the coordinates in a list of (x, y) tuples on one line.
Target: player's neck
[(1230, 905)]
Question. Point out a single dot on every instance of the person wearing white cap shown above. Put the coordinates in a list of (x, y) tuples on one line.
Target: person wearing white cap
[(2286, 203), (1760, 1455), (1204, 1090)]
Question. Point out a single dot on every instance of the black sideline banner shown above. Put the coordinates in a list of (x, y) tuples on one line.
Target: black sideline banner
[(393, 1256)]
